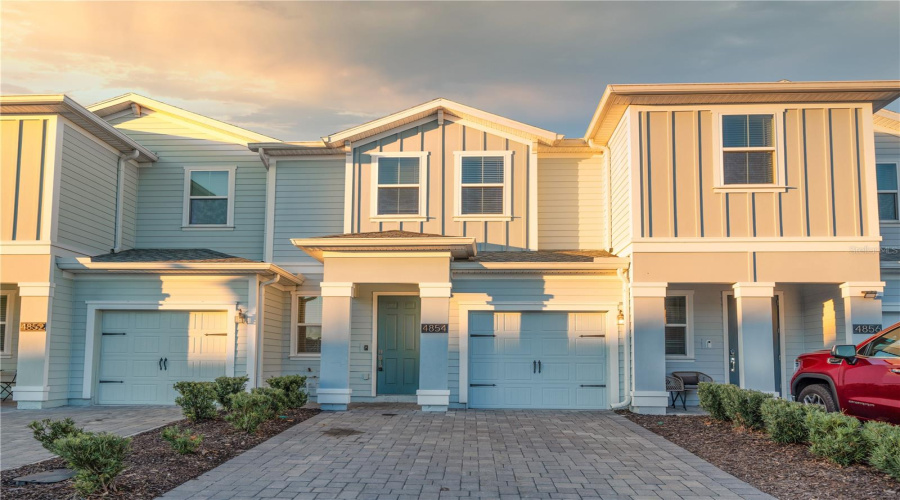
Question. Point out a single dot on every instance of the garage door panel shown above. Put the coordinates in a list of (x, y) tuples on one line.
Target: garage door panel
[(517, 346), (115, 369), (590, 347), (591, 397), (146, 344), (484, 372), (518, 396), (555, 371), (112, 392), (555, 346), (593, 373), (517, 370), (546, 321), (555, 397), (146, 320), (113, 344)]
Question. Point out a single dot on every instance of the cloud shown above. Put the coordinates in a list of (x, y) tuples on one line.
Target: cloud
[(301, 70)]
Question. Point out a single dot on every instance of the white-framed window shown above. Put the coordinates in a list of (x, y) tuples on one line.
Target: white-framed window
[(749, 150), (483, 181), (679, 335), (306, 340), (208, 197), (399, 185), (6, 300), (888, 188)]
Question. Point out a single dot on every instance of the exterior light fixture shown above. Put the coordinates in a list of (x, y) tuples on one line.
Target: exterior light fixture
[(240, 317), (621, 317), (870, 294)]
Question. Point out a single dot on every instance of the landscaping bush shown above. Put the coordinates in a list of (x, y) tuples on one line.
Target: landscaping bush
[(182, 440), (249, 410), (294, 387), (785, 421), (226, 386), (742, 406), (710, 394), (729, 396), (837, 437), (276, 399), (884, 447), (96, 459), (48, 431), (197, 400)]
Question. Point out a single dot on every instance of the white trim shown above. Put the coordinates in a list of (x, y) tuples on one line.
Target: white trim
[(649, 289), (753, 289), (186, 203), (94, 308), (337, 289), (253, 331), (507, 186), (688, 327), (856, 288), (533, 197), (271, 177), (869, 159), (90, 136), (895, 192), (36, 289), (52, 167), (55, 178), (393, 131), (777, 149), (348, 188), (435, 290), (333, 396), (294, 324), (782, 336), (422, 186), (497, 132), (745, 245), (375, 297)]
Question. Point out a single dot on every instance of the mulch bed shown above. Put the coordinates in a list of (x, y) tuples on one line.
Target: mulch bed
[(153, 467), (781, 470)]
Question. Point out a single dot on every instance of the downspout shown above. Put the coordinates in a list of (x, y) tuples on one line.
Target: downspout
[(261, 324), (622, 273), (120, 193)]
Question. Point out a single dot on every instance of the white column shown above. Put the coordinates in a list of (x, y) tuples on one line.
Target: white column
[(649, 324), (434, 392), (859, 309), (32, 390), (755, 335), (334, 378)]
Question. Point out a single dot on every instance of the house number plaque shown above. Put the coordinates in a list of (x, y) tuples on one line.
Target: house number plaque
[(434, 327), (866, 329), (32, 327)]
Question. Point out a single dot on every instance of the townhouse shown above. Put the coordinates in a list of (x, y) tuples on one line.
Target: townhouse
[(445, 255)]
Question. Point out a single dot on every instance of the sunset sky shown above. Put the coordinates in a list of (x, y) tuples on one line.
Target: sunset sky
[(297, 71)]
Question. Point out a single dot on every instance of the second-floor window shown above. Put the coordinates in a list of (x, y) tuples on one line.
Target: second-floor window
[(483, 184), (208, 196), (748, 149), (886, 174), (308, 333), (398, 181)]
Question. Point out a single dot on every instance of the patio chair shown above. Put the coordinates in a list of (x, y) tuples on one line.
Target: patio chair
[(676, 390), (691, 382), (7, 381)]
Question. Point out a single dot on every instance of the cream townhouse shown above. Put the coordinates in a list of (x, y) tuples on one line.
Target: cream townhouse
[(445, 255)]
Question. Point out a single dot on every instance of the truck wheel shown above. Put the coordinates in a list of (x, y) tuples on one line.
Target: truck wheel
[(818, 395)]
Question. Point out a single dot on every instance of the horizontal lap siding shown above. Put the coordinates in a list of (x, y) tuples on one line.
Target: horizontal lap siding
[(571, 204), (62, 336), (87, 199), (129, 207), (273, 331), (620, 188)]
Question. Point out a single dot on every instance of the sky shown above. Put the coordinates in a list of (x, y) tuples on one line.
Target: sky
[(298, 71)]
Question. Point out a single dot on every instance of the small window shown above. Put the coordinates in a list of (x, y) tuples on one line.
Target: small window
[(398, 180), (209, 196), (483, 184), (309, 325), (886, 346), (4, 314), (886, 175), (748, 149), (678, 335)]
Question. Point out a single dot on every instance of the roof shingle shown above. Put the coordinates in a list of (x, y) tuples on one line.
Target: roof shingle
[(170, 255)]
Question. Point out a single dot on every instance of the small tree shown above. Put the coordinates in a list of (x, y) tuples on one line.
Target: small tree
[(97, 459), (49, 431)]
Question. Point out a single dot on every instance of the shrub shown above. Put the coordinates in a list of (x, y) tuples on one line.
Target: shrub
[(883, 440), (710, 395), (785, 421), (742, 406), (48, 431), (294, 387), (729, 395), (182, 440), (197, 400), (96, 459), (226, 386), (836, 437), (249, 410), (276, 400)]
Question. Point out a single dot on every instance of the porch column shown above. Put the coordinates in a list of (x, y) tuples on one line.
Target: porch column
[(32, 389), (861, 310), (434, 392), (334, 372), (649, 313), (755, 335)]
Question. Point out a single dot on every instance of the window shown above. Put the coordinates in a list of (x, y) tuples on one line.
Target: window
[(398, 182), (886, 174), (483, 184), (4, 314), (748, 149), (208, 196), (678, 327), (308, 338), (886, 346)]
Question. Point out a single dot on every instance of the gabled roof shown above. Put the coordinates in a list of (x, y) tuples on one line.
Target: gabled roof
[(123, 102), (448, 107), (887, 121), (617, 98), (76, 113)]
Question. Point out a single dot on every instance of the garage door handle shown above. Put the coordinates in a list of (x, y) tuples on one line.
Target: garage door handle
[(539, 366), (160, 364), (534, 367), (166, 364), (593, 385), (482, 385)]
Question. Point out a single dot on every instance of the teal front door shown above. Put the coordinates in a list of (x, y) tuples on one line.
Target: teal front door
[(398, 345)]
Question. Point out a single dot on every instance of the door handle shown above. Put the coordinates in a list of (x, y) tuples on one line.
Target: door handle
[(166, 364), (160, 364), (534, 367), (732, 360), (380, 362), (539, 366)]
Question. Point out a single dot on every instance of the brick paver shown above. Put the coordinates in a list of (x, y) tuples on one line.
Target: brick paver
[(402, 453), (18, 447)]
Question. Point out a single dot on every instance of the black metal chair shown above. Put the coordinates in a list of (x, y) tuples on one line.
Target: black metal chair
[(690, 381), (7, 381), (676, 390)]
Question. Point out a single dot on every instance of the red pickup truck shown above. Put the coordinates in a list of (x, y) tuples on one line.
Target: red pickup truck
[(863, 380)]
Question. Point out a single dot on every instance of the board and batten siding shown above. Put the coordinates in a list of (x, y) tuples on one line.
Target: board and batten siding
[(441, 141), (160, 196), (571, 203), (887, 150), (826, 174), (309, 202), (23, 146), (620, 188)]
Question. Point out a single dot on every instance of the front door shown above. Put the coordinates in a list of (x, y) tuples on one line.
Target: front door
[(734, 364), (398, 345)]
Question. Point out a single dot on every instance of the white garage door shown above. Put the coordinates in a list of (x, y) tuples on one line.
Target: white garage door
[(547, 360), (143, 353)]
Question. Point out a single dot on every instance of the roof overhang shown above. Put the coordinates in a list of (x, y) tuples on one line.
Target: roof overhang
[(617, 98), (458, 247), (887, 121), (84, 265), (63, 105), (600, 265), (311, 148)]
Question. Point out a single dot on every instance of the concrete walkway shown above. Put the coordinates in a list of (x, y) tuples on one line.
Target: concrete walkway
[(392, 452), (18, 447)]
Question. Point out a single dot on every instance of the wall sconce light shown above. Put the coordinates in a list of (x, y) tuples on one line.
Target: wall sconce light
[(241, 317), (870, 294), (621, 317)]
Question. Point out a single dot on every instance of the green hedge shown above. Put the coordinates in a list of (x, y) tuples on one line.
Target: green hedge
[(197, 400), (710, 394), (785, 421), (837, 437), (742, 406), (883, 440), (249, 410), (227, 386), (294, 387)]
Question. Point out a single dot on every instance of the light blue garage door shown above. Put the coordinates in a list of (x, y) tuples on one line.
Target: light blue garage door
[(551, 360)]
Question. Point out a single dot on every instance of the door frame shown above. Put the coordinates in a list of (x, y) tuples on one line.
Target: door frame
[(612, 343), (375, 297), (94, 322), (785, 380)]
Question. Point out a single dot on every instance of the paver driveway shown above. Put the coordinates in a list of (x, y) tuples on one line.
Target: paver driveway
[(404, 453), (18, 448)]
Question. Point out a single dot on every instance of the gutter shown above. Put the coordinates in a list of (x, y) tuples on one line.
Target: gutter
[(626, 311), (120, 193)]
